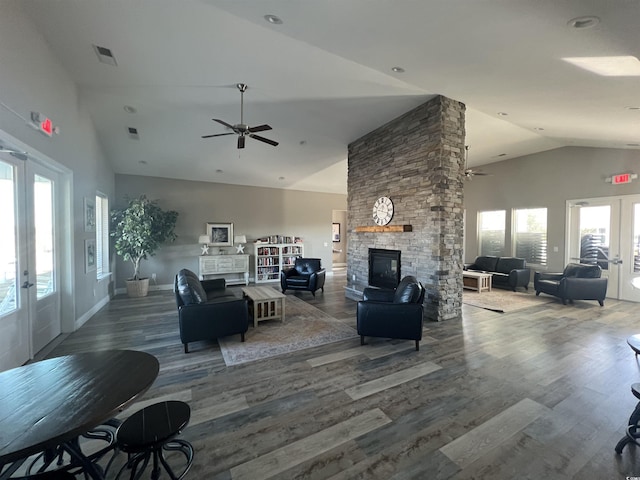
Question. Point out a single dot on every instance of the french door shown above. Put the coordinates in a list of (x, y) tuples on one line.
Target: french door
[(29, 293), (606, 231)]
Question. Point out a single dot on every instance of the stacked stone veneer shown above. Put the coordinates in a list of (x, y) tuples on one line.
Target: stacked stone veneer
[(417, 160)]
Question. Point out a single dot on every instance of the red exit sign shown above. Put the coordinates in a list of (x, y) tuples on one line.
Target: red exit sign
[(42, 123), (622, 178)]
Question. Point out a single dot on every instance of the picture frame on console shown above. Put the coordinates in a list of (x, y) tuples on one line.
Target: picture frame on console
[(220, 234)]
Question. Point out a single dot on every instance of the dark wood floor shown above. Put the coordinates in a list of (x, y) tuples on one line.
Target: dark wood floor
[(542, 392)]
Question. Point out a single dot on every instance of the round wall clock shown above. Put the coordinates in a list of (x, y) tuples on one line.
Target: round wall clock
[(382, 211)]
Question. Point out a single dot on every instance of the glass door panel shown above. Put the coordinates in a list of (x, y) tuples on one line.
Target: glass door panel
[(44, 238), (593, 236), (630, 246), (14, 317), (44, 300), (8, 247)]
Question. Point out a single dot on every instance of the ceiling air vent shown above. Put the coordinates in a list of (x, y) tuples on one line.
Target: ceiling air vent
[(105, 55), (133, 133)]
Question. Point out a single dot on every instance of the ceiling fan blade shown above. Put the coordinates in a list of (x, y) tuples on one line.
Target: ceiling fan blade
[(259, 128), (218, 135), (223, 123), (241, 141), (262, 139)]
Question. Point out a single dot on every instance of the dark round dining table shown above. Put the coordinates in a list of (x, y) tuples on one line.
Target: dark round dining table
[(48, 403)]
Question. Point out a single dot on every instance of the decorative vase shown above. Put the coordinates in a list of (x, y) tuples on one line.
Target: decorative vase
[(138, 288)]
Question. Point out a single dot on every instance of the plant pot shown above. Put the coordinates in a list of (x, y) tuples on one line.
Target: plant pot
[(138, 288)]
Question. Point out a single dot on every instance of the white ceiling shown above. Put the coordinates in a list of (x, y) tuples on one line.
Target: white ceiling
[(323, 78)]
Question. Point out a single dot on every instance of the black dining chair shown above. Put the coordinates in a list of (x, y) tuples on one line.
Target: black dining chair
[(149, 432)]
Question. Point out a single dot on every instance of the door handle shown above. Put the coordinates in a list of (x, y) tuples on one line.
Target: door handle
[(26, 284)]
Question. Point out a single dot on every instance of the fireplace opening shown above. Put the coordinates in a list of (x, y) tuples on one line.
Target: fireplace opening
[(384, 268)]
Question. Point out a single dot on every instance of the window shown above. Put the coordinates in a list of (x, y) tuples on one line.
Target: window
[(491, 232), (530, 235), (102, 235)]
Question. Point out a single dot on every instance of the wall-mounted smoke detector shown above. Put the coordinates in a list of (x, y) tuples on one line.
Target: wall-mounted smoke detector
[(105, 55)]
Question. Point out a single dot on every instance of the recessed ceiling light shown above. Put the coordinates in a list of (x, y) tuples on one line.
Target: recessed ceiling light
[(273, 19), (503, 114), (612, 66), (129, 109), (397, 69), (587, 21)]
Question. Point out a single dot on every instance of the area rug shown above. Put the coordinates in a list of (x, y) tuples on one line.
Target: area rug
[(305, 326), (503, 301)]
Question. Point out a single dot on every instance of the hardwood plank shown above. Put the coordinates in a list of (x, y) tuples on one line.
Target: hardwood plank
[(478, 442), (295, 453), (570, 363)]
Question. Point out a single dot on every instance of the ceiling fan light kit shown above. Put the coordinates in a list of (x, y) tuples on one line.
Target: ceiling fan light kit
[(242, 129)]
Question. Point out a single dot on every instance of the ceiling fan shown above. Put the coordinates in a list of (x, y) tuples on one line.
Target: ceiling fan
[(241, 129), (469, 173)]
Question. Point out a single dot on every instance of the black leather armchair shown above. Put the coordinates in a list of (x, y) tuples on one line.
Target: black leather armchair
[(392, 313), (578, 281), (207, 309), (307, 274)]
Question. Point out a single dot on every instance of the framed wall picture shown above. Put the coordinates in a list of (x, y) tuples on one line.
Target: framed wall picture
[(89, 255), (89, 214), (336, 232), (221, 234)]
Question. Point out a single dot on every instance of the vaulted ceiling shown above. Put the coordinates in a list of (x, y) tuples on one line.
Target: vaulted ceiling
[(323, 77)]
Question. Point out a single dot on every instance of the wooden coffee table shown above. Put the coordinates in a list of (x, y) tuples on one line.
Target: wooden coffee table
[(267, 303), (478, 281)]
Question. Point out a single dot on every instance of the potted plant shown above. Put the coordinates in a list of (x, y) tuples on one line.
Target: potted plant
[(139, 229)]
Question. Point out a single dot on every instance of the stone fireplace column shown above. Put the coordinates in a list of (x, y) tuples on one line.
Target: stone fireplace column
[(417, 160)]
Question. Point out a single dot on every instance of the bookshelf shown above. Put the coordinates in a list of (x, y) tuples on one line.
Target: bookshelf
[(273, 257)]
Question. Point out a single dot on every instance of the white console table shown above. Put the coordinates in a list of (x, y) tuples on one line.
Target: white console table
[(233, 268)]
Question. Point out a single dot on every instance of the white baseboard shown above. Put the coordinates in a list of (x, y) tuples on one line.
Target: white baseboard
[(91, 312)]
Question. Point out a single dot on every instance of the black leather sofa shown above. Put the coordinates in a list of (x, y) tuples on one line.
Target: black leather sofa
[(306, 274), (392, 313), (506, 272), (578, 281), (207, 309)]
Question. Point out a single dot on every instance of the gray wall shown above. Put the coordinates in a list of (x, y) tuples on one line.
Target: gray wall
[(548, 180), (254, 212), (33, 80)]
